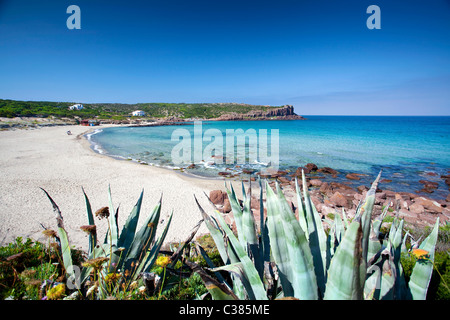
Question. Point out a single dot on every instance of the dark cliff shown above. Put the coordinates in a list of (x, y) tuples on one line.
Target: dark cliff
[(283, 113)]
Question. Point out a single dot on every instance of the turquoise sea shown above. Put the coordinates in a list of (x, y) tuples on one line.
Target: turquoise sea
[(408, 149)]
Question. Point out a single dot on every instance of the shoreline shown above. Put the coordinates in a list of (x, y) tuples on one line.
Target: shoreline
[(420, 183), (331, 193), (62, 164)]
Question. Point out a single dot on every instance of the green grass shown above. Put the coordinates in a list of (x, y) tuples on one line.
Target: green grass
[(120, 111), (30, 263)]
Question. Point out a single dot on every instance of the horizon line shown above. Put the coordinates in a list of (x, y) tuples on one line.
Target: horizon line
[(265, 105)]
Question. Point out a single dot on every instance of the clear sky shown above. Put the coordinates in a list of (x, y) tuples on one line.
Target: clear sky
[(316, 55)]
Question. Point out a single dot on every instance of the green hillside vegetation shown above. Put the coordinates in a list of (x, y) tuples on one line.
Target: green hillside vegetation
[(14, 108)]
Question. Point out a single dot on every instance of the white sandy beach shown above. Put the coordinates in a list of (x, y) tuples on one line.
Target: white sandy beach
[(62, 164)]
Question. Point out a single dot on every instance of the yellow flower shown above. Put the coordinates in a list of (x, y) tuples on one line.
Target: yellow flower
[(163, 261), (421, 254), (112, 277), (56, 292)]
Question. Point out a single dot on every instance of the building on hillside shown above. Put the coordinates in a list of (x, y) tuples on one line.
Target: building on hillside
[(78, 106), (138, 113)]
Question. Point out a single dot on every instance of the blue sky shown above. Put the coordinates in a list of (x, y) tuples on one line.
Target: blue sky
[(316, 55)]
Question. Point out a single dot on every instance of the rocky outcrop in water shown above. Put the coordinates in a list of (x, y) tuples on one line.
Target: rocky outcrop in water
[(283, 113), (330, 196)]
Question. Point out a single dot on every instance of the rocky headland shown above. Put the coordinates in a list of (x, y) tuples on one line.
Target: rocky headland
[(283, 113)]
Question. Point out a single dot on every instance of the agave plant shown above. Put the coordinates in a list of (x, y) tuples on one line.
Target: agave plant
[(299, 258), (124, 255)]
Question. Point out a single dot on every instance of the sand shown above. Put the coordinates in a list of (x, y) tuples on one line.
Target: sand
[(62, 164)]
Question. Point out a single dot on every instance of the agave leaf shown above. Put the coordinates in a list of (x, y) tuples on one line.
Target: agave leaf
[(150, 257), (66, 252), (301, 210), (264, 238), (112, 219), (344, 216), (365, 212), (226, 251), (237, 214), (396, 244), (377, 222), (175, 256), (294, 258), (237, 270), (381, 283), (210, 263), (129, 229), (396, 241), (423, 269), (278, 243), (218, 291), (248, 222), (339, 227), (332, 243), (215, 231), (317, 239), (373, 283), (244, 195), (257, 288), (93, 235), (388, 278), (64, 239), (345, 272), (249, 229), (143, 238)]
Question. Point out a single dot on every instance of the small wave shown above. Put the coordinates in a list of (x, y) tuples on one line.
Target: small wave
[(98, 149), (89, 135), (265, 164)]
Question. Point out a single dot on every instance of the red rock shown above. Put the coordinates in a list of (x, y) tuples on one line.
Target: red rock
[(217, 196), (362, 188), (325, 188), (428, 204), (311, 167), (325, 210), (358, 197), (298, 172), (339, 200), (316, 182), (353, 176), (226, 206), (327, 170), (337, 185), (416, 208), (315, 200), (408, 215), (284, 180)]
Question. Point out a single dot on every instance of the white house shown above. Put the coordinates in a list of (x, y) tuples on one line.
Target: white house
[(138, 113), (78, 106)]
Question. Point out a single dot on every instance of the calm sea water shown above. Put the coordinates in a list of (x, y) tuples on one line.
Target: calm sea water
[(408, 149)]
